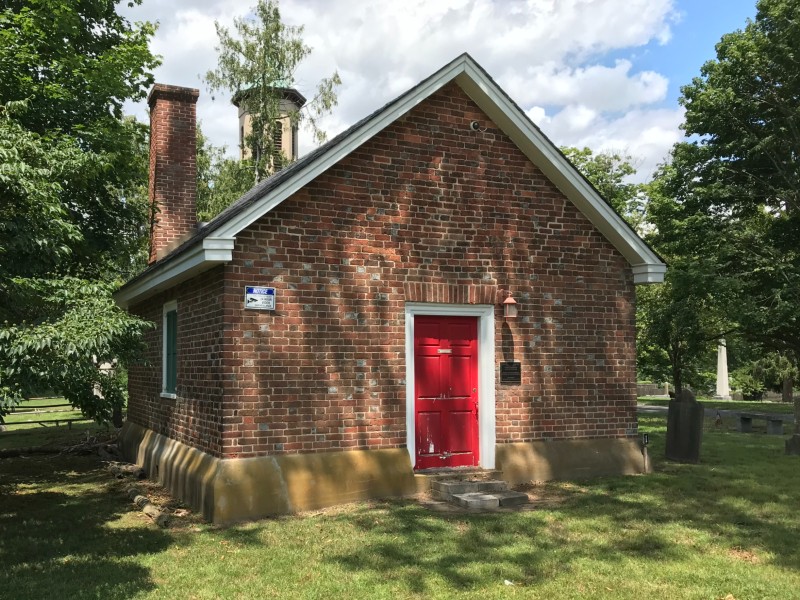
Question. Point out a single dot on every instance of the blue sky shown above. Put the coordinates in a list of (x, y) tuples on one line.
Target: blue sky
[(599, 73), (702, 23)]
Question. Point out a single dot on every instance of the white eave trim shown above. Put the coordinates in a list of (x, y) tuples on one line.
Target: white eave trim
[(649, 273), (205, 255)]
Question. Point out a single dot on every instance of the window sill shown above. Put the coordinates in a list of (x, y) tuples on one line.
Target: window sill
[(168, 395)]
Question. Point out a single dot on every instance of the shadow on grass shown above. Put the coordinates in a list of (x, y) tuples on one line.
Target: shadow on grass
[(744, 495), (74, 554), (51, 435)]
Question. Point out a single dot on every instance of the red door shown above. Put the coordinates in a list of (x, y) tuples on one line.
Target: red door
[(446, 391)]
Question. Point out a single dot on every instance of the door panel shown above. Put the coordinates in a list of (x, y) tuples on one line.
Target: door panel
[(430, 373), (460, 428), (446, 384), (429, 433), (460, 379)]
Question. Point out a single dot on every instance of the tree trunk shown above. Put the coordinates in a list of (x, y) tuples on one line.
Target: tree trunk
[(677, 379), (786, 392), (797, 415), (674, 354), (116, 416)]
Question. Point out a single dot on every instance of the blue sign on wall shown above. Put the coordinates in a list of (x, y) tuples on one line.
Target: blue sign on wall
[(260, 298)]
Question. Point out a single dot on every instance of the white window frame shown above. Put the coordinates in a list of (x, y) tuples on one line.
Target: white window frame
[(487, 435), (170, 306)]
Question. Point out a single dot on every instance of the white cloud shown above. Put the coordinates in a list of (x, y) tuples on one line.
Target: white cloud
[(547, 54), (600, 87), (644, 134)]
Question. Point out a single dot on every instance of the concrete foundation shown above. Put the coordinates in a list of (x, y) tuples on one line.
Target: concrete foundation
[(233, 490), (571, 459), (227, 491)]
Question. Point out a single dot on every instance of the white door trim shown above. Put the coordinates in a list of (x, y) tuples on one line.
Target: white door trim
[(486, 391)]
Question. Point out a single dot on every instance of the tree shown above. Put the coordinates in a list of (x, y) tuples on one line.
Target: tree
[(766, 370), (735, 183), (610, 173), (255, 63), (680, 322), (678, 326), (673, 331), (72, 214)]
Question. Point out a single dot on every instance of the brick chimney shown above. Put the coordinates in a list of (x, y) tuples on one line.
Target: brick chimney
[(173, 167)]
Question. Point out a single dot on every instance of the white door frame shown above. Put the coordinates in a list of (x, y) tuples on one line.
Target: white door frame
[(486, 391)]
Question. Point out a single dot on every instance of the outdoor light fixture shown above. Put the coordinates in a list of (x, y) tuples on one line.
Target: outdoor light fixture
[(509, 307), (645, 439)]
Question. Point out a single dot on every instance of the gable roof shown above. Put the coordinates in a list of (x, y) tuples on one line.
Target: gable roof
[(213, 243)]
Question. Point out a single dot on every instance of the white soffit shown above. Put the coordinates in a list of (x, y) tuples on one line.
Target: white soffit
[(211, 252)]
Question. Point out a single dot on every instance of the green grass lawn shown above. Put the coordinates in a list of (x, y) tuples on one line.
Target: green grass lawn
[(727, 526), (33, 423), (757, 407), (29, 414)]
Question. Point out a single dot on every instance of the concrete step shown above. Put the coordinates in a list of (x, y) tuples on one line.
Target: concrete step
[(489, 500), (446, 489), (476, 500), (458, 473), (512, 498)]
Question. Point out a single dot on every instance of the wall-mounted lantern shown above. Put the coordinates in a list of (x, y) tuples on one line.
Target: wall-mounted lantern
[(509, 307)]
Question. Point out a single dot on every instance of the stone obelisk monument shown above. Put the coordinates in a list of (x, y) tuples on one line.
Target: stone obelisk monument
[(723, 387)]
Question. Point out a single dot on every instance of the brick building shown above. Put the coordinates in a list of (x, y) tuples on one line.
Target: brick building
[(341, 327)]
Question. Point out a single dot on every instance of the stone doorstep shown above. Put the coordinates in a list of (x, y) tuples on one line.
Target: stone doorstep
[(446, 489), (490, 500), (458, 474)]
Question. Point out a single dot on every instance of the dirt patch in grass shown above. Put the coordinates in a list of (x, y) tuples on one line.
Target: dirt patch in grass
[(548, 495), (181, 515), (744, 555)]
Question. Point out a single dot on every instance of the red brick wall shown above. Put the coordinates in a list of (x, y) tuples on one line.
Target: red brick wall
[(173, 167), (195, 417), (427, 201)]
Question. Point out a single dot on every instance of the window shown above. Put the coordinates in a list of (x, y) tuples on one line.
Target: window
[(169, 358), (277, 144)]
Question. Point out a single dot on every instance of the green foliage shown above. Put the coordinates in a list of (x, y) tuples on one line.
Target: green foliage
[(72, 171), (745, 107), (36, 233), (255, 62), (678, 325), (610, 174), (767, 372), (74, 64), (743, 172), (75, 327), (729, 201)]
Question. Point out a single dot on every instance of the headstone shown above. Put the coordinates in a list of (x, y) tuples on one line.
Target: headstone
[(793, 445), (684, 428), (723, 385)]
